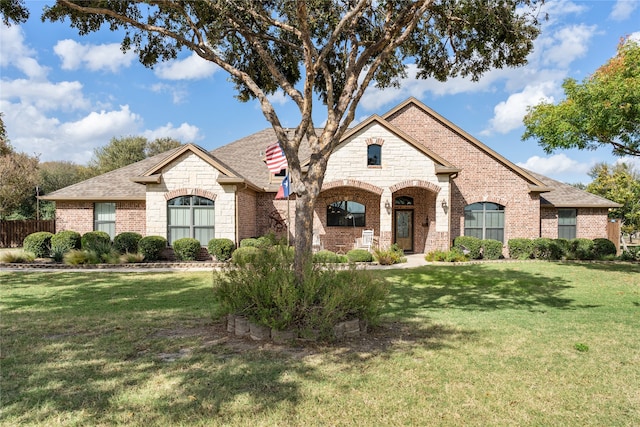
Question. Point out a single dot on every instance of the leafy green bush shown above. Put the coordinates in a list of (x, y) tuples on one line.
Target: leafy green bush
[(491, 249), (64, 241), (186, 249), (328, 257), (520, 248), (127, 242), (221, 249), (393, 255), (548, 249), (151, 247), (603, 248), (631, 254), (453, 255), (95, 240), (39, 244), (359, 255), (245, 255), (469, 243), (265, 291), (581, 249)]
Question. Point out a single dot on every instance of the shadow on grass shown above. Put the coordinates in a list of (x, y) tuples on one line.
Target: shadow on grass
[(473, 287), (618, 267)]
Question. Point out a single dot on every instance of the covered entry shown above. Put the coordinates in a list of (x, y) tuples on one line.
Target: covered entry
[(413, 217)]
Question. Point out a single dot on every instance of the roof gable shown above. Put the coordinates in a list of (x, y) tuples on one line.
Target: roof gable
[(193, 149)]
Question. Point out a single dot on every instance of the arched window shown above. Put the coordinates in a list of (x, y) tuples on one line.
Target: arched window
[(484, 220), (403, 201), (190, 216), (346, 213), (374, 155)]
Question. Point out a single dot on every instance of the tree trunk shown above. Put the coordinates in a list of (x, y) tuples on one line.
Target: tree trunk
[(305, 205)]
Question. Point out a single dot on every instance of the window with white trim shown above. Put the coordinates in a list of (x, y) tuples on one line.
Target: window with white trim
[(190, 216), (104, 218), (484, 220)]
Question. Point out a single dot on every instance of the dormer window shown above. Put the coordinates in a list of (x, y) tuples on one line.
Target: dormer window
[(374, 151)]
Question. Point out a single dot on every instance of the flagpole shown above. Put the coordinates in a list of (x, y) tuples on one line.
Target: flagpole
[(288, 211)]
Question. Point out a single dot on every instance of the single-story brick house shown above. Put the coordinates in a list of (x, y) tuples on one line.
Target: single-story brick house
[(410, 175)]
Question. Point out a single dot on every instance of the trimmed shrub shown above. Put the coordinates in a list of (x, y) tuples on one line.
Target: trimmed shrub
[(245, 255), (95, 240), (359, 255), (548, 249), (151, 247), (581, 249), (520, 248), (127, 242), (250, 242), (491, 249), (469, 243), (221, 249), (186, 249), (39, 244), (328, 257), (64, 241), (603, 248), (262, 242)]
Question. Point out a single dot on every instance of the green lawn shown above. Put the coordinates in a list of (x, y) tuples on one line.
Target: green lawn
[(489, 344)]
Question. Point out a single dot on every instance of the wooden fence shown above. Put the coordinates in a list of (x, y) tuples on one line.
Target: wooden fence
[(613, 232), (12, 233)]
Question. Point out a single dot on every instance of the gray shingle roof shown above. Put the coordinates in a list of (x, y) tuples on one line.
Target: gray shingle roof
[(568, 196)]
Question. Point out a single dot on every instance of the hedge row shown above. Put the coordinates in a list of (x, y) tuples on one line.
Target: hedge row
[(555, 249), (476, 248)]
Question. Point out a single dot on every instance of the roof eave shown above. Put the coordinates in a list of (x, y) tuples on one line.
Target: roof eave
[(92, 199), (539, 189), (150, 179)]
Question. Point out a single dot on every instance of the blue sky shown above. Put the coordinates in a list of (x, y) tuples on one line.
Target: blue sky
[(63, 95)]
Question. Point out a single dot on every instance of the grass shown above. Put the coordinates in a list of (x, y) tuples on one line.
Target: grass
[(487, 344)]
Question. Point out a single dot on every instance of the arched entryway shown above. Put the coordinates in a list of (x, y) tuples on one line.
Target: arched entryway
[(413, 217)]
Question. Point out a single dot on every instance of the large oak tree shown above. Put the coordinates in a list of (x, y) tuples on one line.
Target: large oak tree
[(322, 54)]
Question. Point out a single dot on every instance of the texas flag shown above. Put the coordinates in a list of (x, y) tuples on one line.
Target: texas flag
[(276, 160), (283, 191)]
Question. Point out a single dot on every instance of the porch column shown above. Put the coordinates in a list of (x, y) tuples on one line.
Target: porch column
[(443, 213), (386, 218)]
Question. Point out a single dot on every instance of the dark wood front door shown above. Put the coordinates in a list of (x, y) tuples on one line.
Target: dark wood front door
[(403, 220)]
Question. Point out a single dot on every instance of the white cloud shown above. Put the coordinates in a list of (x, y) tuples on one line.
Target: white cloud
[(17, 54), (178, 93), (278, 98), (190, 68), (103, 57), (623, 9), (556, 165), (508, 114), (45, 95), (184, 133), (570, 43)]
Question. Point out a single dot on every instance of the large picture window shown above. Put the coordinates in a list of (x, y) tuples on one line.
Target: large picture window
[(104, 218), (346, 213), (484, 220), (567, 223), (190, 216)]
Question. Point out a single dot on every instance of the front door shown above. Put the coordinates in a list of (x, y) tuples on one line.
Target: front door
[(404, 229)]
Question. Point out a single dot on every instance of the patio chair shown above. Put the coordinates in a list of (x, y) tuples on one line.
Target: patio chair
[(366, 241)]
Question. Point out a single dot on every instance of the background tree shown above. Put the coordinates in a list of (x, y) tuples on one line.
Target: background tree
[(621, 184), (18, 175), (319, 53), (119, 152), (160, 145), (602, 111), (56, 175)]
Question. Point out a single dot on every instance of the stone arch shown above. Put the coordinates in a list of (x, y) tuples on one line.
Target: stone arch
[(190, 192), (352, 183), (415, 183)]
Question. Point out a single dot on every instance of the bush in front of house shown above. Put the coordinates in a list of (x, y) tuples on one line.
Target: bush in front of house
[(95, 240), (547, 249), (359, 255), (631, 254), (64, 241), (452, 255), (491, 249), (265, 291), (245, 255), (127, 242), (186, 249), (151, 247), (327, 257), (39, 244), (221, 249), (581, 249), (262, 242), (603, 248), (469, 245), (520, 248), (17, 256), (392, 255)]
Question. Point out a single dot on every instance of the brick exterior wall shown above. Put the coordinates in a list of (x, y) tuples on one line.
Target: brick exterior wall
[(78, 216), (247, 214), (591, 223)]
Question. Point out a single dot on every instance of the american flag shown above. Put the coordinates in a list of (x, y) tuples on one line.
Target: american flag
[(276, 160)]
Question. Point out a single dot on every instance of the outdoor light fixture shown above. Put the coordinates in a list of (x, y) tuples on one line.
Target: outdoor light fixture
[(444, 204)]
